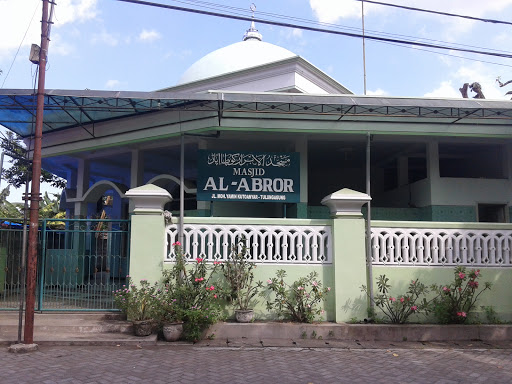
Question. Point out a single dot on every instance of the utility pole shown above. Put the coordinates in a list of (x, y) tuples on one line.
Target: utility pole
[(364, 46), (35, 187)]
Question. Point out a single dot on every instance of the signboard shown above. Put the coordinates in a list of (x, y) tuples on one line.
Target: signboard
[(248, 176)]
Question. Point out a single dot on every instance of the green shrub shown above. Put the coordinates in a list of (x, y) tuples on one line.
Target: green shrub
[(398, 308), (194, 296), (455, 301), (298, 301)]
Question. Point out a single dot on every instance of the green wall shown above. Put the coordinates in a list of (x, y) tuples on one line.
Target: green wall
[(442, 213), (499, 297), (293, 272)]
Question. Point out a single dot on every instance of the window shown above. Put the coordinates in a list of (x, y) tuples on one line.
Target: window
[(492, 213)]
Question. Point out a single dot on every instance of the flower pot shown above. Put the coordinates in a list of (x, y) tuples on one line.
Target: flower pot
[(172, 331), (143, 327), (244, 315)]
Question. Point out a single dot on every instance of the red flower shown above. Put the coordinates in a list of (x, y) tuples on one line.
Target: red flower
[(176, 243), (199, 260)]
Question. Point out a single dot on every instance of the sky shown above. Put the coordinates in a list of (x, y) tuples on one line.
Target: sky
[(113, 45)]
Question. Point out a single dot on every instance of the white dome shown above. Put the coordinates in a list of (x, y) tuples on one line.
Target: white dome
[(235, 57)]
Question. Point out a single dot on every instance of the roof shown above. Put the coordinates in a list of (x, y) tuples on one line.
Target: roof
[(243, 80), (235, 57), (66, 109)]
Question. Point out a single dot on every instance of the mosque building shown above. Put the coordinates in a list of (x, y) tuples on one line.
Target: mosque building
[(255, 139), (431, 159)]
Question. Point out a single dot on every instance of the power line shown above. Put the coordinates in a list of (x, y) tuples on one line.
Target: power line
[(458, 57), (331, 25), (438, 12), (22, 40), (313, 29)]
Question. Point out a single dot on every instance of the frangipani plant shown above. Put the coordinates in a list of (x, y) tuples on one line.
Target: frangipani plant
[(137, 302), (239, 275)]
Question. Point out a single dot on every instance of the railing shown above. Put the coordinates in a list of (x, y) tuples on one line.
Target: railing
[(470, 244), (11, 240), (309, 242), (79, 261)]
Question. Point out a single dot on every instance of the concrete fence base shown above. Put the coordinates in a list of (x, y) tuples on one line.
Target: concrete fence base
[(362, 332)]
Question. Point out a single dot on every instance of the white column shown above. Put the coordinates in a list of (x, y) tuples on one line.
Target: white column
[(433, 173), (136, 173), (403, 171), (82, 185), (203, 205), (301, 146), (433, 160), (137, 169)]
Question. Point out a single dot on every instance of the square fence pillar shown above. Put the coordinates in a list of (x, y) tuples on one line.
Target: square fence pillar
[(349, 253), (147, 237)]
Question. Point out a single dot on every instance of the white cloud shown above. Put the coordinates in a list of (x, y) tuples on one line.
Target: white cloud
[(296, 32), (484, 75), (478, 72), (475, 8), (182, 55), (112, 84), (60, 46), (104, 38), (70, 11), (446, 89), (330, 11), (20, 14), (377, 92), (149, 36), (291, 33)]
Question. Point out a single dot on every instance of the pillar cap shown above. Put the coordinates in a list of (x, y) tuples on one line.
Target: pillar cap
[(346, 202), (148, 198)]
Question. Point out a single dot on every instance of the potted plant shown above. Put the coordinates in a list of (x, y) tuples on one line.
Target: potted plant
[(192, 295), (170, 314), (239, 275), (139, 305)]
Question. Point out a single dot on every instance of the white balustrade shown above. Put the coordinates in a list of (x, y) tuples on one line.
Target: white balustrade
[(271, 244), (429, 246)]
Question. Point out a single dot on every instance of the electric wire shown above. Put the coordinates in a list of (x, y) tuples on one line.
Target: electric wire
[(438, 12), (19, 47), (314, 29), (330, 25), (450, 55), (340, 27)]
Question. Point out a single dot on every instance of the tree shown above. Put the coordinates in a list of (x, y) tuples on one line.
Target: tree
[(16, 175), (49, 208), (7, 209)]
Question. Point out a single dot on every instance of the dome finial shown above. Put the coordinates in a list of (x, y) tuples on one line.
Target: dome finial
[(252, 32)]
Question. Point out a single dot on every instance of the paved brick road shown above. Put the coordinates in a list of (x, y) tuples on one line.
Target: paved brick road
[(189, 364)]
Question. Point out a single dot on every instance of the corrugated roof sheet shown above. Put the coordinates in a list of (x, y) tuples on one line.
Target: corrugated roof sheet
[(71, 108)]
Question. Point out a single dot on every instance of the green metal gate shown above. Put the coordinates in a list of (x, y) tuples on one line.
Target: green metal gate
[(80, 263)]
